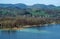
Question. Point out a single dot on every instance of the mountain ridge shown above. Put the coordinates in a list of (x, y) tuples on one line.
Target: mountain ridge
[(36, 10), (24, 5)]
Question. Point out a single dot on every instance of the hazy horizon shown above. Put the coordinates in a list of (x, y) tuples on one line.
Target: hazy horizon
[(32, 2)]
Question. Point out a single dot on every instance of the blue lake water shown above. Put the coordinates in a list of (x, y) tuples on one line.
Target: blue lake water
[(47, 32)]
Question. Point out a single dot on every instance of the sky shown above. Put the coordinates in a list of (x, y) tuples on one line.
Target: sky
[(31, 2)]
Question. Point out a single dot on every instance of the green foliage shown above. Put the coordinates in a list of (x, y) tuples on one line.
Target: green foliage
[(29, 12), (39, 13)]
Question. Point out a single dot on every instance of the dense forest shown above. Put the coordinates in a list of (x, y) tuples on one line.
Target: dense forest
[(37, 10), (18, 15)]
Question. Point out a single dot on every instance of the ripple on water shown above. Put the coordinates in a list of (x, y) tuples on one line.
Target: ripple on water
[(36, 31)]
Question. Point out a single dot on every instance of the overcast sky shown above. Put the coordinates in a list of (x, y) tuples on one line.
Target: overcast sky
[(31, 2)]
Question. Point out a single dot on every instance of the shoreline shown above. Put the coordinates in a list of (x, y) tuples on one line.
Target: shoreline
[(26, 26)]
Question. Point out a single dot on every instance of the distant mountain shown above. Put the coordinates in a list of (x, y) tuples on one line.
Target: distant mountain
[(23, 6), (33, 10), (19, 5), (42, 6), (39, 6)]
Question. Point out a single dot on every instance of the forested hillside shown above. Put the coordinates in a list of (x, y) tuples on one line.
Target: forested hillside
[(20, 15), (37, 10)]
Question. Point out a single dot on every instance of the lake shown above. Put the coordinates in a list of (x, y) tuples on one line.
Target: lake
[(51, 31)]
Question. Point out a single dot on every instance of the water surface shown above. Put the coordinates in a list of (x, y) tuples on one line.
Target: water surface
[(47, 32)]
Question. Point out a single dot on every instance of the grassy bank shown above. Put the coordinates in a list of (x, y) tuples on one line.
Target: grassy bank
[(22, 22)]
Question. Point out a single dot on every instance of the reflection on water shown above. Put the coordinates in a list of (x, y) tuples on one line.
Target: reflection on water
[(8, 31), (8, 34), (47, 32)]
